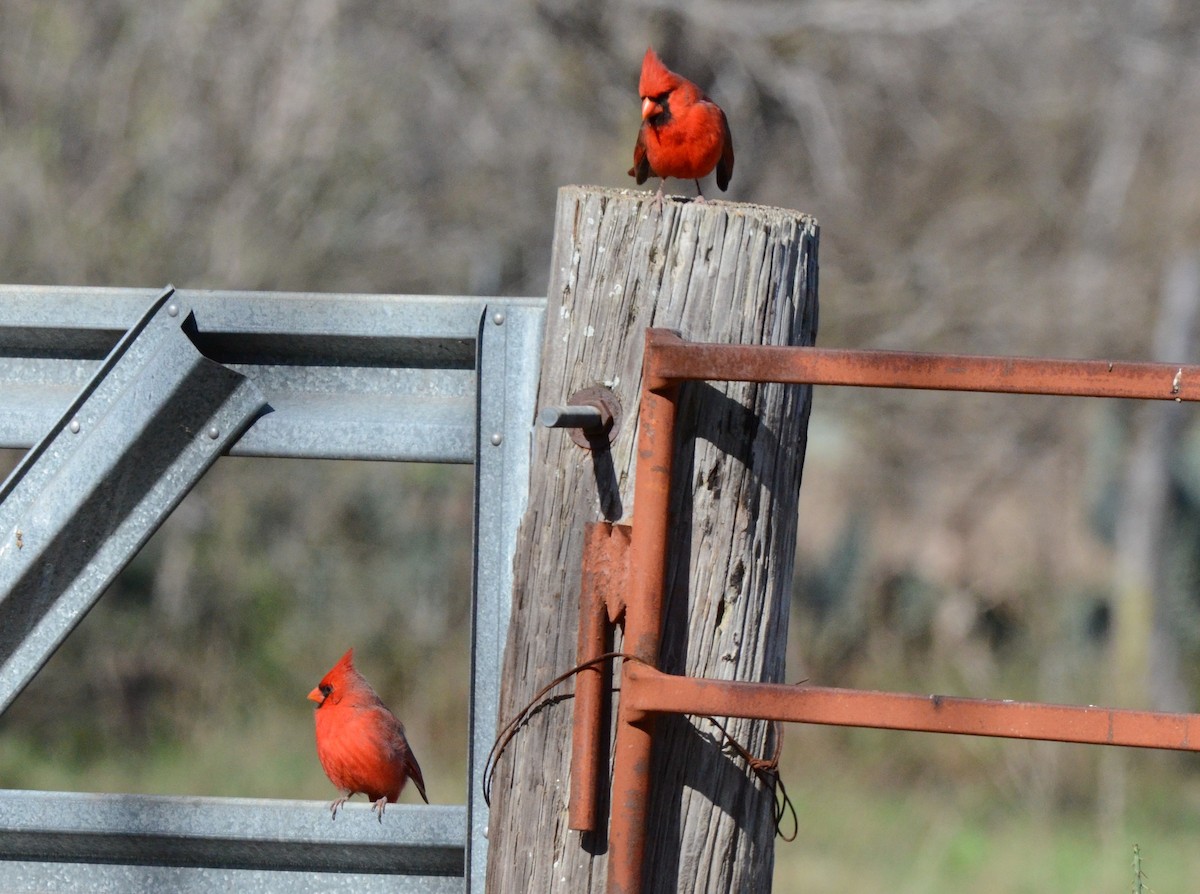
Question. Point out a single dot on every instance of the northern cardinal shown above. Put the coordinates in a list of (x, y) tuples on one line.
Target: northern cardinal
[(684, 134), (360, 742)]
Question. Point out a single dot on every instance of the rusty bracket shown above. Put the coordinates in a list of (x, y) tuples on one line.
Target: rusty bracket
[(602, 587)]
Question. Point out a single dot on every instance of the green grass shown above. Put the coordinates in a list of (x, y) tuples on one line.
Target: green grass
[(863, 833), (270, 755)]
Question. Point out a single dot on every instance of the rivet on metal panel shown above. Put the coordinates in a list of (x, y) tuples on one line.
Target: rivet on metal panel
[(75, 426), (498, 318), (213, 432), (497, 439), (172, 310)]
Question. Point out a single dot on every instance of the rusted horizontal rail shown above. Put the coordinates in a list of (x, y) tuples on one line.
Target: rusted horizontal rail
[(651, 691), (673, 359)]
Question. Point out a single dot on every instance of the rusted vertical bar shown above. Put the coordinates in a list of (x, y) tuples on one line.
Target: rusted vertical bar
[(605, 565), (643, 621)]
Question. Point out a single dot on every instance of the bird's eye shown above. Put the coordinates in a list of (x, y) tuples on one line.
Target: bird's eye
[(326, 689)]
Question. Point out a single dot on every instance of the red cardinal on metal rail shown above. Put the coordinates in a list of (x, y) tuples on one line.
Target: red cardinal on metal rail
[(360, 742), (684, 134)]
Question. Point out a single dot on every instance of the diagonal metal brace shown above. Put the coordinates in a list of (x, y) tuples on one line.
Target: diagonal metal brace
[(86, 498)]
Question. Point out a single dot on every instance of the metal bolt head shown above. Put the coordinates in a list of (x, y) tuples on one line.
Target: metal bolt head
[(74, 426), (606, 402), (497, 439), (213, 432), (172, 310), (498, 318)]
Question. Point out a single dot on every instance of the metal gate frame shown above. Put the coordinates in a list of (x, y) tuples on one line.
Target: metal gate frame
[(625, 571), (123, 409)]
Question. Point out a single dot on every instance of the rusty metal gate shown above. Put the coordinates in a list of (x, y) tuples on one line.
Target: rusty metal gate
[(124, 398), (632, 566)]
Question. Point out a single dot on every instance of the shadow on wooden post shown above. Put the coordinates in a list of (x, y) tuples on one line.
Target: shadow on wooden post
[(717, 272)]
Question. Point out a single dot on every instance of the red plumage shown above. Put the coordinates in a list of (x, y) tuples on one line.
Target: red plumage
[(361, 744), (684, 134)]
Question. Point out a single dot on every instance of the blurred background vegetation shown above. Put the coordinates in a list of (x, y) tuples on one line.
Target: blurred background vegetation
[(990, 178)]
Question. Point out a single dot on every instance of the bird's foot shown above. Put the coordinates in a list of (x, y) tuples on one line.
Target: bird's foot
[(379, 806), (700, 200), (658, 196), (336, 804)]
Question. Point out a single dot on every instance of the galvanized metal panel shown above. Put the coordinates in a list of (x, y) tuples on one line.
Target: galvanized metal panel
[(363, 425), (378, 377), (126, 450), (510, 340), (26, 877), (355, 376), (84, 315), (229, 836)]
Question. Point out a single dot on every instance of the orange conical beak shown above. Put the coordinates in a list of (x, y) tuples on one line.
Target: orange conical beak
[(650, 108), (316, 696)]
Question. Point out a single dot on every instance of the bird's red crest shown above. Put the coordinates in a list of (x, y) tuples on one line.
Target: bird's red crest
[(346, 662), (656, 78)]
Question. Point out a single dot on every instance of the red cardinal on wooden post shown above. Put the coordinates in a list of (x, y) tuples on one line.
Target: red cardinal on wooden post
[(360, 742), (684, 134)]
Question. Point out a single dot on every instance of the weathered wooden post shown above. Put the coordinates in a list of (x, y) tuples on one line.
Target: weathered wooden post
[(719, 272)]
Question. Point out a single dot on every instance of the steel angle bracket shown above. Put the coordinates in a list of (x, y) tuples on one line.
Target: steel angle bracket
[(87, 496)]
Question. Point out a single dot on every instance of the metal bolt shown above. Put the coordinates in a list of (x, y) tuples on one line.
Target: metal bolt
[(582, 416), (172, 310), (591, 416), (497, 439), (213, 432), (74, 426), (498, 318)]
